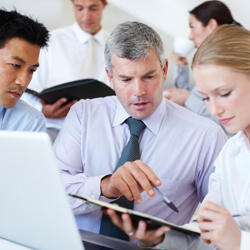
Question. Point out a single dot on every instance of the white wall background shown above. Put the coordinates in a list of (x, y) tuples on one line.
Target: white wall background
[(168, 17)]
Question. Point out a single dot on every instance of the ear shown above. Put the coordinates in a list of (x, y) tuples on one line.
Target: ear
[(165, 70), (105, 3), (212, 24), (110, 78)]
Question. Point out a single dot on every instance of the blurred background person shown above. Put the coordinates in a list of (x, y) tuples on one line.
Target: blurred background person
[(75, 52), (203, 20)]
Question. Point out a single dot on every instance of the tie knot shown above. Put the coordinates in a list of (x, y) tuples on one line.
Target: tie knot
[(91, 41), (135, 126)]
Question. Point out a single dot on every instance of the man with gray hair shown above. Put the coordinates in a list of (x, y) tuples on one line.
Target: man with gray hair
[(97, 149)]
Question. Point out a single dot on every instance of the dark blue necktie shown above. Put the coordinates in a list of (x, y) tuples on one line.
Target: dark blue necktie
[(131, 153)]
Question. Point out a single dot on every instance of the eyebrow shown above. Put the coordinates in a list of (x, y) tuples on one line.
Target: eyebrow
[(146, 74), (92, 5), (22, 61)]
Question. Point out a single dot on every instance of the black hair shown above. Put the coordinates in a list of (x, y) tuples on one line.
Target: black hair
[(213, 10), (14, 24)]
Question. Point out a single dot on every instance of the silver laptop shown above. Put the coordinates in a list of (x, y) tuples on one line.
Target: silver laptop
[(34, 207)]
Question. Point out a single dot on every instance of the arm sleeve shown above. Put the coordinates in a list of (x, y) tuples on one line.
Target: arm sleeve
[(181, 77), (69, 149), (39, 125), (208, 155)]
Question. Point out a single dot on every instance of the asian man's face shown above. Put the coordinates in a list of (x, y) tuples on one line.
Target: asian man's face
[(18, 62)]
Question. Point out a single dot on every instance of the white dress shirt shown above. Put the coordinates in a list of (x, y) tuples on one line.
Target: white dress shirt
[(177, 144), (62, 62), (21, 117), (229, 186)]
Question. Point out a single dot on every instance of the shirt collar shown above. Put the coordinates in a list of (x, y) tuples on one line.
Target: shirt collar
[(242, 139), (152, 122), (83, 36)]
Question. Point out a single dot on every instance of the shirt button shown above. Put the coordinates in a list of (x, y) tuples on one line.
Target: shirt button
[(92, 196)]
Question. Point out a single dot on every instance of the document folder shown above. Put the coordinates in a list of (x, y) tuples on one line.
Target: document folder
[(75, 90), (152, 221)]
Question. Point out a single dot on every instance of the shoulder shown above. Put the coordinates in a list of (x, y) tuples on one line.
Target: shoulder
[(62, 34), (29, 117), (97, 108), (106, 34), (232, 148), (191, 119), (102, 104), (61, 31)]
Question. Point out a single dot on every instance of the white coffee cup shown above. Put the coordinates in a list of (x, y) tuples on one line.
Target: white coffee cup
[(183, 46)]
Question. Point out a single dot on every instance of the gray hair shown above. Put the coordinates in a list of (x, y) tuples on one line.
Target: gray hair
[(132, 40)]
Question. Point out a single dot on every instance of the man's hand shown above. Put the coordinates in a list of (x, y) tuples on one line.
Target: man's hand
[(179, 61), (178, 96), (56, 110), (130, 180), (217, 226), (151, 237)]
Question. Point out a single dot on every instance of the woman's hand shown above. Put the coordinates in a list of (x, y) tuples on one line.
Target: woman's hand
[(179, 61), (218, 226), (124, 222)]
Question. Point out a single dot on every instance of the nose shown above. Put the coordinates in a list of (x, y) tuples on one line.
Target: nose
[(216, 109), (139, 88), (191, 36), (86, 13), (23, 79)]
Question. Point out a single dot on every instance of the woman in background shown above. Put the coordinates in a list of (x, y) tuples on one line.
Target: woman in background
[(203, 20), (221, 68)]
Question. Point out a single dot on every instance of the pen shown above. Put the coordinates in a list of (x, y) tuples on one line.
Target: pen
[(165, 199), (233, 215)]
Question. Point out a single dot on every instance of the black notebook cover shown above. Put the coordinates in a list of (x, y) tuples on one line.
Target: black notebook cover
[(75, 90), (152, 221)]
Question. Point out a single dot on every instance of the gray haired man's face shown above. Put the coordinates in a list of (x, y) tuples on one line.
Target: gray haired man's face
[(138, 84)]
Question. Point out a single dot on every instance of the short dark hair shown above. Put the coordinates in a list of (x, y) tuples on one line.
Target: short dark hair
[(14, 24), (213, 10)]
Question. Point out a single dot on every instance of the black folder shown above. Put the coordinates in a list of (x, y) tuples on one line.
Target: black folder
[(152, 221), (75, 90)]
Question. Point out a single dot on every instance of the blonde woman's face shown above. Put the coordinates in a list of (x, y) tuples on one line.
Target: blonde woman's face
[(226, 94), (198, 32)]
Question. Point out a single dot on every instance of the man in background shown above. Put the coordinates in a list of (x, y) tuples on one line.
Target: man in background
[(75, 52), (20, 41)]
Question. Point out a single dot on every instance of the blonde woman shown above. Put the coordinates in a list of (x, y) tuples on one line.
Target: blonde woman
[(221, 68)]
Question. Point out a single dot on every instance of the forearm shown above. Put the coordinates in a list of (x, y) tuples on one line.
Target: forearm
[(83, 185)]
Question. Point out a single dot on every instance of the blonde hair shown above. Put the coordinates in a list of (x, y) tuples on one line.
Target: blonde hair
[(228, 46)]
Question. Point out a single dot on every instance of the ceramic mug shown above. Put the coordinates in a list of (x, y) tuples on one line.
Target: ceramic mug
[(183, 46)]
